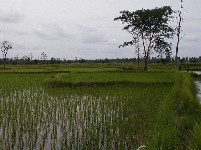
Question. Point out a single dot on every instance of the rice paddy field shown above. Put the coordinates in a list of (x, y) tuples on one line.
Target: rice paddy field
[(97, 108)]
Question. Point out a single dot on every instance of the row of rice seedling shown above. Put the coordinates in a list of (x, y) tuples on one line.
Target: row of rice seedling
[(31, 119)]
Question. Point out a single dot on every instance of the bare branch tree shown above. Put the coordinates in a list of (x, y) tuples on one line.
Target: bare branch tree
[(4, 49), (43, 57), (178, 33)]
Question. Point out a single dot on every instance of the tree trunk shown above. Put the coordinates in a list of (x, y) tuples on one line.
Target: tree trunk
[(138, 59), (178, 36), (4, 63), (146, 63), (176, 57)]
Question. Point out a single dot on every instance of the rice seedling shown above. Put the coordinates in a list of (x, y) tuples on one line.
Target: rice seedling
[(33, 119)]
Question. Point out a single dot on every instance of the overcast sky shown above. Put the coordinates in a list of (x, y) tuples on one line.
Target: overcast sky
[(84, 28)]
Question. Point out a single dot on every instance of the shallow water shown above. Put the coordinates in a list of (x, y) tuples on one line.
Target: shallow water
[(198, 72), (198, 84)]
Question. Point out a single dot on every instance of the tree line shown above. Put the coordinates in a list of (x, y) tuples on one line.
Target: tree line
[(135, 60)]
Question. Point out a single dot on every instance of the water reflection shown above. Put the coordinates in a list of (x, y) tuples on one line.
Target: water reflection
[(198, 72), (198, 84)]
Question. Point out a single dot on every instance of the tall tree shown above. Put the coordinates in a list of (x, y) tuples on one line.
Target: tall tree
[(178, 33), (4, 49), (43, 57), (147, 26)]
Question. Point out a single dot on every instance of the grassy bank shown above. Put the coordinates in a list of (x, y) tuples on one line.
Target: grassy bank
[(178, 117)]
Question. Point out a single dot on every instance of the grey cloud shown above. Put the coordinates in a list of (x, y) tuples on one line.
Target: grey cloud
[(51, 32), (100, 39), (21, 32), (86, 29), (95, 39), (92, 35), (25, 46), (107, 52), (191, 37), (10, 16)]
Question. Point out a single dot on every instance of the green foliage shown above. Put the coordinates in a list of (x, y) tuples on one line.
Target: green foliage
[(196, 138), (148, 21)]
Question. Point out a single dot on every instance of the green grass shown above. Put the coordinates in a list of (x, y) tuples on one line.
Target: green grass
[(117, 76), (178, 115), (21, 80), (191, 66)]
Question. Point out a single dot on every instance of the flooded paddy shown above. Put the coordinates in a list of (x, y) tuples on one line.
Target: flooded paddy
[(33, 119), (119, 116)]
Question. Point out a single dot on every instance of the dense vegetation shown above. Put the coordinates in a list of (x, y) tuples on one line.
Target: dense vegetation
[(103, 108)]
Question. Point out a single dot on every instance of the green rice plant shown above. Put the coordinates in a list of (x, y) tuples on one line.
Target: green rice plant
[(196, 139)]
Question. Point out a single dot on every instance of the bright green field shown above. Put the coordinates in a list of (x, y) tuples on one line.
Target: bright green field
[(117, 76), (115, 116)]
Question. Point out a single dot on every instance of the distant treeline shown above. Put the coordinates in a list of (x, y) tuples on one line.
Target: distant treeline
[(28, 61)]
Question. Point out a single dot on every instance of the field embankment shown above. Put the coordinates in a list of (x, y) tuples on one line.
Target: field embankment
[(101, 79)]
